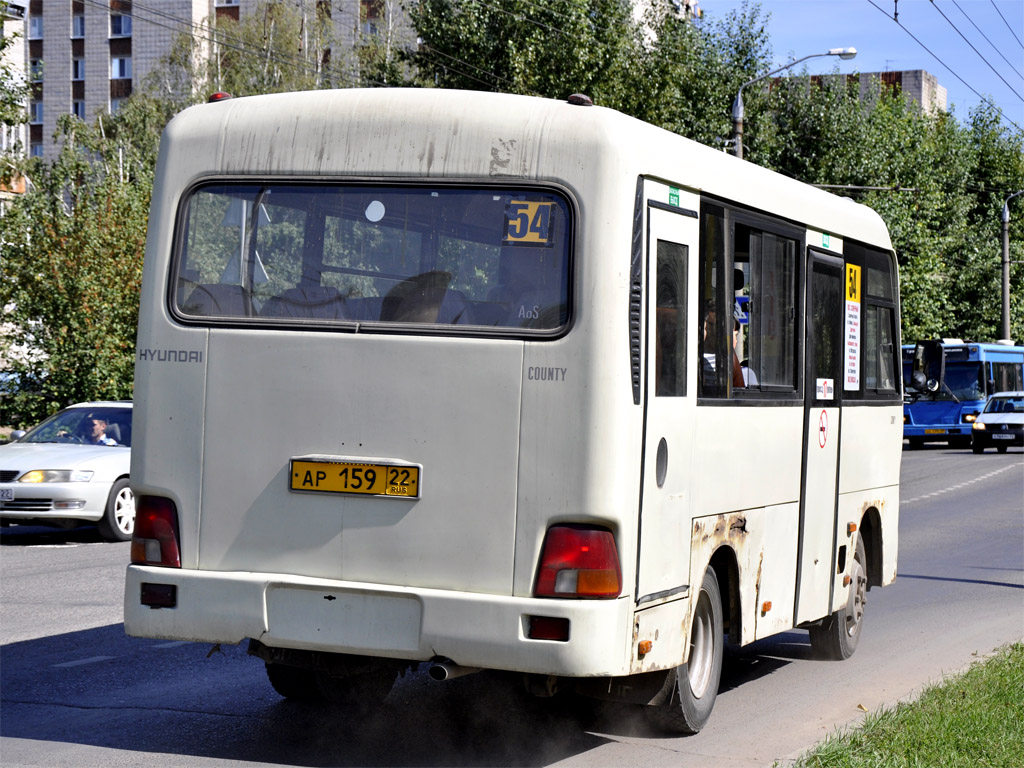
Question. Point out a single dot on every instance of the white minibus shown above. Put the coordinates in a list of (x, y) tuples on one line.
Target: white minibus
[(481, 381)]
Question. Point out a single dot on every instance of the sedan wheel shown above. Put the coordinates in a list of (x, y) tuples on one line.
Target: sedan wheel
[(118, 521)]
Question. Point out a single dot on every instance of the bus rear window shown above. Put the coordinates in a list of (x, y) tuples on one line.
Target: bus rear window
[(354, 254)]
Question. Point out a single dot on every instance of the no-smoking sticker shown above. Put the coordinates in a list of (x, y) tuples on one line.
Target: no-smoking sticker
[(822, 429)]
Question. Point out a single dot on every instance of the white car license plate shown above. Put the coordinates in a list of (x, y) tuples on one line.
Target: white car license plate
[(6, 494), (1002, 437)]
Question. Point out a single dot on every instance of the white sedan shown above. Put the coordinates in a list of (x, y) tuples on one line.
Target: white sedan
[(1001, 424), (73, 467)]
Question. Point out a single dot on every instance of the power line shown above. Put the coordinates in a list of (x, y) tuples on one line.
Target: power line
[(1006, 23), (936, 7), (994, 47), (948, 68)]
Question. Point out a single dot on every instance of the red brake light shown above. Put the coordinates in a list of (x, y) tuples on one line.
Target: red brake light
[(578, 561), (155, 540)]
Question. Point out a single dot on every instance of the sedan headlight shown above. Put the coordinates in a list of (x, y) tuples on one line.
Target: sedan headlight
[(979, 425), (57, 476)]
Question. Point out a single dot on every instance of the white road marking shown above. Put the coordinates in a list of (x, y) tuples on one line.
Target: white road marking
[(80, 662), (958, 486)]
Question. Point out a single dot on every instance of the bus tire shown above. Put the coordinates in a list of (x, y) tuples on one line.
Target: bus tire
[(836, 638), (293, 682), (916, 443), (695, 684), (118, 521)]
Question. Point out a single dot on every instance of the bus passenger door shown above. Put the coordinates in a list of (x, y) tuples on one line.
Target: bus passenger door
[(668, 398), (818, 504)]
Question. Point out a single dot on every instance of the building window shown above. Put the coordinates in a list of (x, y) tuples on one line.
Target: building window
[(78, 109), (36, 150), (78, 26), (121, 68), (218, 3), (35, 70), (120, 25), (35, 112), (115, 105), (78, 69), (35, 27)]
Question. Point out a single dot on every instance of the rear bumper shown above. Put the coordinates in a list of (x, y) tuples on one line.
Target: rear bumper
[(476, 630)]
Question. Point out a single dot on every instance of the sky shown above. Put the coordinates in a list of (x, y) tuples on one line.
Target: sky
[(800, 27)]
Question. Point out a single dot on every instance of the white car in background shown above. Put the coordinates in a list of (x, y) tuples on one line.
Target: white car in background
[(55, 474), (1001, 424)]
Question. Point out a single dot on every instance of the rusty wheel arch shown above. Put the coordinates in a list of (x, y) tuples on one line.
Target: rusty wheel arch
[(726, 569), (871, 534)]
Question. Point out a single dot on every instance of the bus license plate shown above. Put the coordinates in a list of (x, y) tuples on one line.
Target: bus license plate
[(364, 478), (935, 431), (6, 494)]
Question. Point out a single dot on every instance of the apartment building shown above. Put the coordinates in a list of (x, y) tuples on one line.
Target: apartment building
[(85, 57), (917, 86)]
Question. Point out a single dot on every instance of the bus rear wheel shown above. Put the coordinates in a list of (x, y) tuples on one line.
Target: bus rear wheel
[(293, 682), (836, 637), (695, 684)]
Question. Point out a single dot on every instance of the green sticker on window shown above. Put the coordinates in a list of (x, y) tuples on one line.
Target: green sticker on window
[(673, 196)]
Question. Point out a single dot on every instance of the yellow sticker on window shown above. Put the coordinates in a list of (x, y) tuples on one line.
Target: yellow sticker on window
[(528, 222), (852, 283)]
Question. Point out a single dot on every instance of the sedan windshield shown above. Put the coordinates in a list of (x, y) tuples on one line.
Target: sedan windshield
[(85, 426), (1005, 405)]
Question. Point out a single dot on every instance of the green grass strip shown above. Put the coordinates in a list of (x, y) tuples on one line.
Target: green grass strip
[(975, 720)]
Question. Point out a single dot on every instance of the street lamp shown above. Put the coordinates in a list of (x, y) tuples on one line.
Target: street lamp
[(737, 105), (1006, 265)]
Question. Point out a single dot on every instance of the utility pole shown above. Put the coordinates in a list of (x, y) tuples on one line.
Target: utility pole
[(737, 104)]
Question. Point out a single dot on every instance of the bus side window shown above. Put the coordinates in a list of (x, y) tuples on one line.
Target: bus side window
[(712, 343), (748, 335), (670, 350)]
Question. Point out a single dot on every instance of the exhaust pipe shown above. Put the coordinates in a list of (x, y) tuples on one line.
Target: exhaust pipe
[(447, 670)]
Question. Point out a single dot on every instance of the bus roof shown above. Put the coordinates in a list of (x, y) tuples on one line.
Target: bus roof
[(448, 134)]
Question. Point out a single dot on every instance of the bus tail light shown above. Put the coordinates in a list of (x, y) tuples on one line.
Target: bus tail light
[(578, 561), (155, 540)]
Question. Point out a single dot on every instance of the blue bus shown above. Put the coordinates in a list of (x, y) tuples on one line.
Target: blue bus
[(946, 384)]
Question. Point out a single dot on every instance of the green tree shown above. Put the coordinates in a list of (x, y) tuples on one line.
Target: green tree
[(72, 264), (937, 183), (674, 72), (552, 49), (279, 47)]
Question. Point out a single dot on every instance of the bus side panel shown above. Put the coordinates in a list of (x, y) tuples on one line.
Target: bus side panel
[(853, 507), (764, 543), (871, 447), (750, 457)]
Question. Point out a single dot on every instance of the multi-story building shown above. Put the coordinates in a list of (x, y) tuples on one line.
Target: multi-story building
[(85, 56), (918, 87), (13, 137)]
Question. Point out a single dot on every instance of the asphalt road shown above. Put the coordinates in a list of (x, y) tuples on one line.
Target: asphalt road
[(74, 690)]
